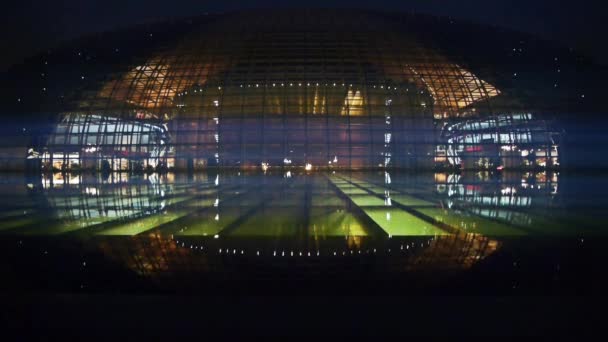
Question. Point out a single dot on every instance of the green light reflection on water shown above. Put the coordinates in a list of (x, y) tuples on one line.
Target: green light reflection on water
[(305, 206)]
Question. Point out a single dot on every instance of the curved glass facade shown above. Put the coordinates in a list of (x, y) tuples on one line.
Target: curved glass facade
[(316, 90)]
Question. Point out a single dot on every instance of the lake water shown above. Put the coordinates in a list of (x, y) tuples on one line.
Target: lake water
[(292, 231)]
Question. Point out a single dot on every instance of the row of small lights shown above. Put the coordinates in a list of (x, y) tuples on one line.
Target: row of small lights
[(299, 84), (227, 251)]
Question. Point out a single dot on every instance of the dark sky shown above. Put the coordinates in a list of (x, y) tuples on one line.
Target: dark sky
[(30, 26)]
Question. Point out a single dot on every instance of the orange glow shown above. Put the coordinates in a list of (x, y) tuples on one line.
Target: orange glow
[(353, 103)]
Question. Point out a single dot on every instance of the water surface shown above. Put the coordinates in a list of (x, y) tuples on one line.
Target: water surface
[(343, 232)]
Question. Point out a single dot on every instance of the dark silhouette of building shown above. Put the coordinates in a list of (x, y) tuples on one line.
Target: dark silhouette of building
[(313, 89)]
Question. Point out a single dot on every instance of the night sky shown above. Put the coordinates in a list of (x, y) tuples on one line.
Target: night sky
[(29, 27)]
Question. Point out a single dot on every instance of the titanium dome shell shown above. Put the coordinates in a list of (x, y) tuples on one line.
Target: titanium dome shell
[(313, 89)]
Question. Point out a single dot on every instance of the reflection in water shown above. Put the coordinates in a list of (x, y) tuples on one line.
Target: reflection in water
[(517, 200), (105, 198), (153, 224), (154, 255)]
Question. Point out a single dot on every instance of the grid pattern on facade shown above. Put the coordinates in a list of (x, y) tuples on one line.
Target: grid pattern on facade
[(515, 140), (314, 92)]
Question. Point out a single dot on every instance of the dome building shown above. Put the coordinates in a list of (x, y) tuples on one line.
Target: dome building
[(313, 89)]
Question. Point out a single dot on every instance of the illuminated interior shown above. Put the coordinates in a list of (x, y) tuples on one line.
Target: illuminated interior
[(240, 92)]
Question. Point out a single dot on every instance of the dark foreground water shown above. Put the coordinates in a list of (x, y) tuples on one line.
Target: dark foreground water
[(298, 233)]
